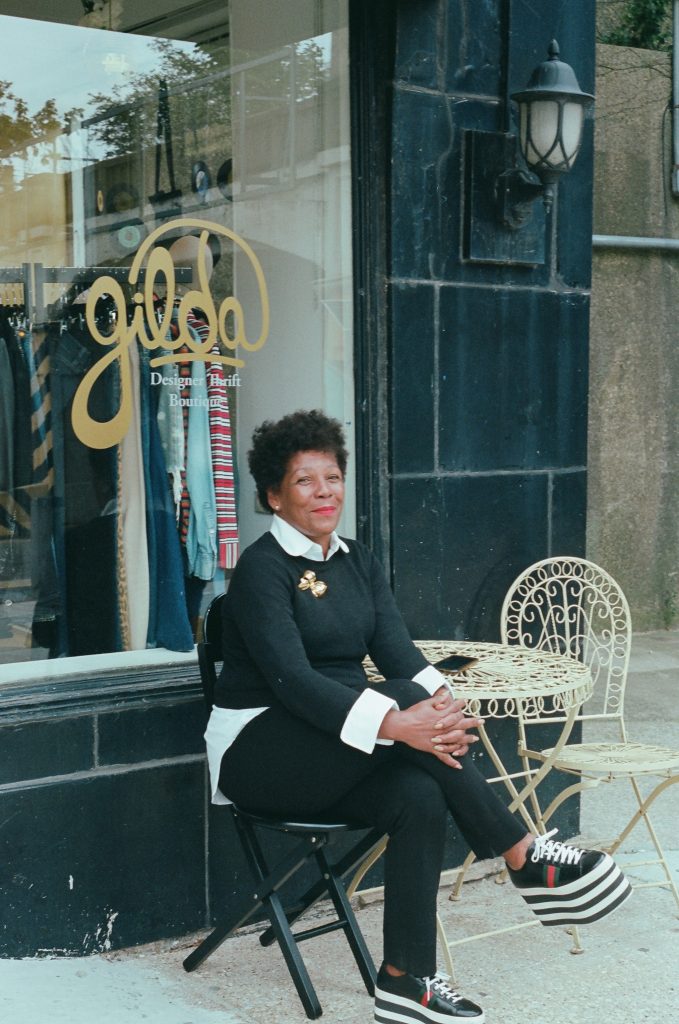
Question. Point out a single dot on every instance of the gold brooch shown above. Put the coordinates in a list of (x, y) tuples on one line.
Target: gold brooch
[(309, 582)]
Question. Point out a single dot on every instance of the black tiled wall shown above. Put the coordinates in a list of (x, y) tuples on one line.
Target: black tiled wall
[(144, 734), (488, 363), (98, 864), (44, 747), (104, 830)]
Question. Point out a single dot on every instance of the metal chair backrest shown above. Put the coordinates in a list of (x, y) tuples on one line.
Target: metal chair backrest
[(568, 605), (210, 648)]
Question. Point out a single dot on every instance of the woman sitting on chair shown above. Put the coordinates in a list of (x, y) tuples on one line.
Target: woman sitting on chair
[(297, 730)]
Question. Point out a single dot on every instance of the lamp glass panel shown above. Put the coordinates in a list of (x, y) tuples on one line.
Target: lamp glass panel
[(530, 153), (544, 126), (523, 125), (571, 129)]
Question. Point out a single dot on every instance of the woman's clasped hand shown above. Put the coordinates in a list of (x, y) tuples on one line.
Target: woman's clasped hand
[(436, 725)]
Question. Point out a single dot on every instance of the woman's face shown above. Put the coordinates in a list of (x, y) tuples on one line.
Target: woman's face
[(311, 495)]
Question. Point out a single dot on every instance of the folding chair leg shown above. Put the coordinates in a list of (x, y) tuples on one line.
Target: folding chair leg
[(346, 915), (266, 886), (293, 958), (356, 855), (279, 921), (267, 883), (212, 941)]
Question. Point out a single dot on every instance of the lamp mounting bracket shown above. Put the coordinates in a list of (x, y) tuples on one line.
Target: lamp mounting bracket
[(516, 192), (502, 223)]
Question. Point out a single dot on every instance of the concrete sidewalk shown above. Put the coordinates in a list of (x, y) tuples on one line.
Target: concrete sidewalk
[(627, 975)]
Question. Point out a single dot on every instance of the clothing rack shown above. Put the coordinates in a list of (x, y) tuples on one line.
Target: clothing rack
[(34, 276)]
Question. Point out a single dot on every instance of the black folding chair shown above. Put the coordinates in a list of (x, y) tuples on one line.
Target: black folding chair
[(313, 837)]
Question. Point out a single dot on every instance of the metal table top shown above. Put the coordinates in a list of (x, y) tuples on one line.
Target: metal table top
[(508, 676)]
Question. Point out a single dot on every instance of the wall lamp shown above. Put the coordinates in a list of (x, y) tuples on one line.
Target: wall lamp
[(551, 118), (505, 174)]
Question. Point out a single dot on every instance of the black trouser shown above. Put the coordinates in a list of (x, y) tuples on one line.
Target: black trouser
[(281, 765)]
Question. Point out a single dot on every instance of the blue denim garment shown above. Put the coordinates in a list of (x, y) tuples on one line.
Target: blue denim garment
[(85, 504), (45, 585), (201, 541), (68, 363), (6, 417), (169, 625), (16, 473)]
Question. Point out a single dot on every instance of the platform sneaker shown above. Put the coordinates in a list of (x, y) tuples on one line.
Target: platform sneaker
[(409, 999), (563, 884)]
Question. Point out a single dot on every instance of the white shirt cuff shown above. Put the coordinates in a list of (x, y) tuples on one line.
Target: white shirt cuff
[(363, 722), (431, 679)]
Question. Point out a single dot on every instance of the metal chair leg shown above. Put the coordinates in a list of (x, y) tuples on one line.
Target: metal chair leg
[(445, 948), (365, 866), (462, 871)]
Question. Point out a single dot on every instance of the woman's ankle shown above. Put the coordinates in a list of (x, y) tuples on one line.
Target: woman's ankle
[(515, 856)]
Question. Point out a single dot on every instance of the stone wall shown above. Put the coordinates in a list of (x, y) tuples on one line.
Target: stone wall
[(633, 478)]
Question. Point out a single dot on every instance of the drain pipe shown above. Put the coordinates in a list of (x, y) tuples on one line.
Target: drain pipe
[(675, 98), (634, 242)]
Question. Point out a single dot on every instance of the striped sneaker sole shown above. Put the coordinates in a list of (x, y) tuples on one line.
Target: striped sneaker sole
[(583, 901), (391, 1009)]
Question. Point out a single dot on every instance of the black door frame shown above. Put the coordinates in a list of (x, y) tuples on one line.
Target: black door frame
[(371, 54)]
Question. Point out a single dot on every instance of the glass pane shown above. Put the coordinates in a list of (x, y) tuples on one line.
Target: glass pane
[(572, 118), (544, 123), (175, 267)]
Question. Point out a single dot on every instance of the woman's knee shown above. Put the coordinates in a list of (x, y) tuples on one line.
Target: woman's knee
[(415, 800)]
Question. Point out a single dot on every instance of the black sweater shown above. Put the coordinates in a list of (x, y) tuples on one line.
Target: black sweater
[(283, 646)]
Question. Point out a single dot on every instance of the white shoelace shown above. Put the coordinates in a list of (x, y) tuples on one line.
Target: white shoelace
[(438, 984), (558, 852)]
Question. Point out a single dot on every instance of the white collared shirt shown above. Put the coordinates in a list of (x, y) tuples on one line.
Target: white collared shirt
[(298, 545), (363, 722)]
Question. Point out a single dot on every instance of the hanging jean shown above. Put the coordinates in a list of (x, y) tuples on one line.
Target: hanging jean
[(44, 581), (85, 504), (6, 416), (16, 459), (201, 540), (168, 618)]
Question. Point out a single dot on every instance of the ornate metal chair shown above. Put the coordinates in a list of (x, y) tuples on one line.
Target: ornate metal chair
[(572, 606)]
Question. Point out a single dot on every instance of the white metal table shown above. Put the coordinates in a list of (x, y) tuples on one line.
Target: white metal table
[(510, 681)]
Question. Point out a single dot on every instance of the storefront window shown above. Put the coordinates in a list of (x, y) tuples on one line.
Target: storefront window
[(175, 267)]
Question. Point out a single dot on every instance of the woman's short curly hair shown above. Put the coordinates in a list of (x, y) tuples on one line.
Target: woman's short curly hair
[(274, 444)]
